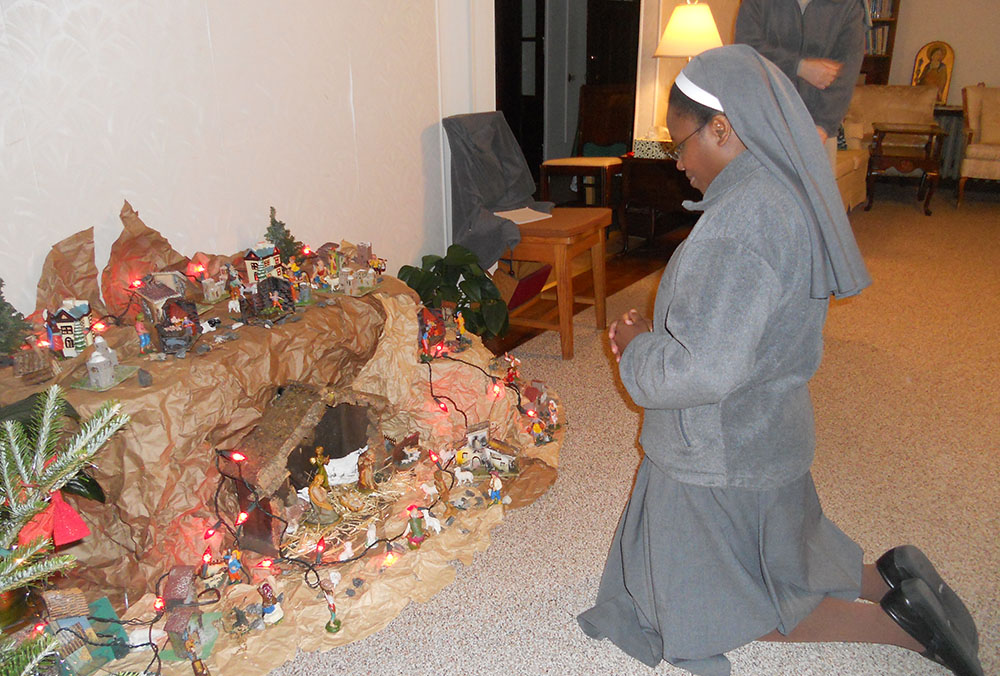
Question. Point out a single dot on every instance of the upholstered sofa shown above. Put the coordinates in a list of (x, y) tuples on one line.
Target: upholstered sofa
[(901, 104)]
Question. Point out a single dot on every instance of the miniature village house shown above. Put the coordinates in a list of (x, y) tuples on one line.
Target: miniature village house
[(164, 299), (263, 260), (69, 327)]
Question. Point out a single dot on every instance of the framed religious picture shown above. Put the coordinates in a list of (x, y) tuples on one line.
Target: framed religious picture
[(933, 66)]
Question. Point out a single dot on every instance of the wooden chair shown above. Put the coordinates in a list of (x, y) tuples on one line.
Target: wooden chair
[(604, 134)]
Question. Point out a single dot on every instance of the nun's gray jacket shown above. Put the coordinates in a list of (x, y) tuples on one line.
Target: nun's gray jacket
[(829, 29), (736, 337)]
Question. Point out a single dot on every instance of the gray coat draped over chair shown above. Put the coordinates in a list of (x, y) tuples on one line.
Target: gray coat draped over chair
[(488, 174)]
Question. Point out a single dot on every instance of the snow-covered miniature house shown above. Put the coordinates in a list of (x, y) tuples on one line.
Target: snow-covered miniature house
[(69, 327), (263, 260)]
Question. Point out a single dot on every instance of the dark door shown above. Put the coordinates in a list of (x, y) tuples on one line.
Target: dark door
[(612, 50), (520, 72), (612, 41)]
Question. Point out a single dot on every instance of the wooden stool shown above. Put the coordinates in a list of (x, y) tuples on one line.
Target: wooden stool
[(557, 241)]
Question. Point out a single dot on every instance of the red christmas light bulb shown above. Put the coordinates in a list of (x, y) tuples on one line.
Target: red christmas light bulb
[(40, 627), (206, 558), (159, 604), (241, 519), (236, 456), (442, 406)]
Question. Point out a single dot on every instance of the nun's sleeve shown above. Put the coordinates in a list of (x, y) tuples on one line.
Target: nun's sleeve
[(724, 295)]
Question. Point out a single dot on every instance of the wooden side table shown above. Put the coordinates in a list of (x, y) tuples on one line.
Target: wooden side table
[(557, 241), (654, 184), (926, 157)]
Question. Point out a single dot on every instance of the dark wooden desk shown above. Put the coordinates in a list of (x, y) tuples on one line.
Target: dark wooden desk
[(905, 158), (656, 185)]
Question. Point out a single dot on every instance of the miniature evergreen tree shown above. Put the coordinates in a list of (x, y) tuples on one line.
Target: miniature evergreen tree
[(278, 235), (12, 326), (34, 462)]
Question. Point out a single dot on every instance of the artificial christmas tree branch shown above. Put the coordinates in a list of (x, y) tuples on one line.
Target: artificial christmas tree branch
[(34, 463)]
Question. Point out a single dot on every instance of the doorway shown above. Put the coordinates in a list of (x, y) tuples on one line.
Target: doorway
[(547, 49)]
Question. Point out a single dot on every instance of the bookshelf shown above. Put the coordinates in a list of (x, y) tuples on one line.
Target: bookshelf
[(879, 41)]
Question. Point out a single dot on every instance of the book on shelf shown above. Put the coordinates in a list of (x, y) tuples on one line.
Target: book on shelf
[(881, 9)]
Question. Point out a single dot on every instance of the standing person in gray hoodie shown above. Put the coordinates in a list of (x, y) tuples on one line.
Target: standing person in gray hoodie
[(818, 44), (723, 540)]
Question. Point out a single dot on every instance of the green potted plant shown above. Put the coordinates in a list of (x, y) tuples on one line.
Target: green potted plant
[(457, 280)]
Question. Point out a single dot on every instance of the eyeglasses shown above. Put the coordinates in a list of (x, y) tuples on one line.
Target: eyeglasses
[(674, 151)]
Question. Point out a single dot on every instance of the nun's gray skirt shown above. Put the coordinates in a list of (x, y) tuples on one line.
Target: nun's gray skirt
[(696, 571)]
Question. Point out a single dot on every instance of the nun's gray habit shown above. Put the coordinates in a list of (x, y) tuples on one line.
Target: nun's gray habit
[(723, 539)]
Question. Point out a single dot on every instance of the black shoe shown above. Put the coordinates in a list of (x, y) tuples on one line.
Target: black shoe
[(916, 609), (906, 562)]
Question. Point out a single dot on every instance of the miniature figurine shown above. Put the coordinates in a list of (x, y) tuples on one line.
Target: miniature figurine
[(415, 527), (444, 493), (275, 299), (235, 293), (460, 324), (200, 668), (512, 368), (495, 485), (188, 325), (351, 502), (333, 626), (371, 536), (270, 608), (366, 471), (432, 521), (234, 567), (347, 552), (323, 509), (192, 645), (539, 433), (320, 461), (142, 332), (553, 413)]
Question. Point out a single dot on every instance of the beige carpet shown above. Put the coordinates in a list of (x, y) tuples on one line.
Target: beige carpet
[(907, 420)]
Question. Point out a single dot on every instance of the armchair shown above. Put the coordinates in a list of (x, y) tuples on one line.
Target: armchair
[(981, 109)]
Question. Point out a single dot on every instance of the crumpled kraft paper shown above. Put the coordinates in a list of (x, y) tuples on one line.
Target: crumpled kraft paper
[(396, 373), (416, 576), (69, 271), (136, 252), (158, 472)]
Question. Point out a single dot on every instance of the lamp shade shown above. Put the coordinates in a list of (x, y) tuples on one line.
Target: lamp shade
[(690, 31)]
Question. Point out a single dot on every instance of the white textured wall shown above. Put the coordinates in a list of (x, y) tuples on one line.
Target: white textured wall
[(204, 113)]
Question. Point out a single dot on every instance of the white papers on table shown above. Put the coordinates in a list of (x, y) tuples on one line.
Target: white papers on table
[(523, 215)]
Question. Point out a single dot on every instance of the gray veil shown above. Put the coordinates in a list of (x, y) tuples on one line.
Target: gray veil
[(773, 123)]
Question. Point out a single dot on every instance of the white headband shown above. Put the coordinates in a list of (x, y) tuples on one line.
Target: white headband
[(696, 93)]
